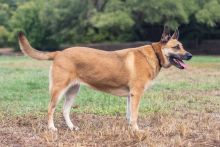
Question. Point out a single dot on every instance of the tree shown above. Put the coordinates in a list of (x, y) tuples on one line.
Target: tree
[(4, 16), (114, 23), (54, 23), (68, 20), (209, 13), (26, 19)]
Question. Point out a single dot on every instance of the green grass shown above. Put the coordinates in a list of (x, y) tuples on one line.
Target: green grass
[(24, 89), (206, 59)]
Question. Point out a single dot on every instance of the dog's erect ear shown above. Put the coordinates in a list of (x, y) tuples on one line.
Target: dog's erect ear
[(176, 34), (166, 35)]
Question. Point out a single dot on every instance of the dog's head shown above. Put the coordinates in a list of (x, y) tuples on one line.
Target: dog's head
[(172, 50)]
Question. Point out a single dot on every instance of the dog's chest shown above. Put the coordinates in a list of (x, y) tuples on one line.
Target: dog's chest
[(148, 85)]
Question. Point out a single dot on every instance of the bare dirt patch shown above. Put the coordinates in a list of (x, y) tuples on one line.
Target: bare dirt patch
[(176, 129)]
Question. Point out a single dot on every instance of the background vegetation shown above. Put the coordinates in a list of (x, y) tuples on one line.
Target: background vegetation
[(54, 23), (24, 86)]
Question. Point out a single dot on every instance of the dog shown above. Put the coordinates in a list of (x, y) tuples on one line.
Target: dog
[(127, 73)]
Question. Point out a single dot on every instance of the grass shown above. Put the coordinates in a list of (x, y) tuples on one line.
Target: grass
[(182, 108), (24, 89)]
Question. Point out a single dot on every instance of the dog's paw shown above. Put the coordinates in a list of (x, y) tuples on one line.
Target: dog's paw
[(74, 128), (138, 134), (128, 119), (54, 129)]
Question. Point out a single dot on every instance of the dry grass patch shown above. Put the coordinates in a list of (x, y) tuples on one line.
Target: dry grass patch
[(176, 129)]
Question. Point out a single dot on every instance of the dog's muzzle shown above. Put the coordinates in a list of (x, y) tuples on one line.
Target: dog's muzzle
[(177, 60), (187, 56)]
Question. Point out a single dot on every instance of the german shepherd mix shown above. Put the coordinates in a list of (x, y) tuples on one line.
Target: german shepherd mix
[(126, 73)]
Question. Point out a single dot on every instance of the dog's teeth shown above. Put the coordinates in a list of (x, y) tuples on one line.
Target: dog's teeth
[(175, 60)]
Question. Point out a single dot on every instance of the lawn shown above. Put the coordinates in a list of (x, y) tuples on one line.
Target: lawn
[(174, 94)]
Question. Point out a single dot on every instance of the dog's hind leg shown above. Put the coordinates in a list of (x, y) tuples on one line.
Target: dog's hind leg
[(59, 82), (69, 100), (56, 96), (128, 108)]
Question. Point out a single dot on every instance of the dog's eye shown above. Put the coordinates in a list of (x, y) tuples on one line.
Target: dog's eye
[(177, 46)]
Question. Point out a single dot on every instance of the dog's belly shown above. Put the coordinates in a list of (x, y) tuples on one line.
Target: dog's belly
[(119, 91)]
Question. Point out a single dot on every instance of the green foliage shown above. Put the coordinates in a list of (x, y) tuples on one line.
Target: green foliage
[(4, 34), (210, 13), (168, 12), (65, 21), (116, 18), (4, 14), (26, 19), (56, 22)]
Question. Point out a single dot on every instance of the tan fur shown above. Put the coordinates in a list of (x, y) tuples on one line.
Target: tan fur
[(125, 72), (28, 50)]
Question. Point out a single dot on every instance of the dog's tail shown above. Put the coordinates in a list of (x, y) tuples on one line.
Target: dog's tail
[(27, 49)]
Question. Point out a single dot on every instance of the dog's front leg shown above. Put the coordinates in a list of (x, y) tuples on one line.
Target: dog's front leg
[(135, 98), (128, 108)]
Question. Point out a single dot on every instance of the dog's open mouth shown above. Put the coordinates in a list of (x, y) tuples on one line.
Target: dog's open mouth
[(177, 62)]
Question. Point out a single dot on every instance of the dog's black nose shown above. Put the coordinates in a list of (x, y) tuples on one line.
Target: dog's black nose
[(188, 56)]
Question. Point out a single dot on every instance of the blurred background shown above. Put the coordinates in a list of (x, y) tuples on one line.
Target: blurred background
[(109, 24)]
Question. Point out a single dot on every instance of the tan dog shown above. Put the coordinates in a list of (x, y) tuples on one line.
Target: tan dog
[(125, 72)]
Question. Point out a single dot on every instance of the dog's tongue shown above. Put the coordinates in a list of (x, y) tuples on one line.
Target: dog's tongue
[(182, 64)]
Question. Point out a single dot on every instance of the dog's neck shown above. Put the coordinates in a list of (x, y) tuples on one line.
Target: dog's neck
[(156, 46), (157, 55), (153, 58)]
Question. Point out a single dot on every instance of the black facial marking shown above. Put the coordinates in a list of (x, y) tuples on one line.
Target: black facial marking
[(177, 60)]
